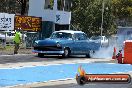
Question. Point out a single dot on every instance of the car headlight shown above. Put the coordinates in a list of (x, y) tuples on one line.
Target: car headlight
[(35, 43), (58, 45)]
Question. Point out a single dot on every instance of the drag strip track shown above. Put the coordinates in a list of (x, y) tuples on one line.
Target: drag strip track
[(25, 75)]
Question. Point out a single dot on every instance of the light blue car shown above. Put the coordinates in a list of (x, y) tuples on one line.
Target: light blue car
[(66, 43)]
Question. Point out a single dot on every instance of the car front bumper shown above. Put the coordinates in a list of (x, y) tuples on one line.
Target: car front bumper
[(49, 52)]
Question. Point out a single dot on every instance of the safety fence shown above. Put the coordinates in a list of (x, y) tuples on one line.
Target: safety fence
[(28, 41)]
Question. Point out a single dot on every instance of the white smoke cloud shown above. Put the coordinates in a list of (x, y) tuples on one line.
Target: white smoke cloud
[(117, 41), (107, 52), (104, 52)]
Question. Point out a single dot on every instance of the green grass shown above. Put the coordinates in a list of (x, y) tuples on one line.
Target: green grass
[(6, 47)]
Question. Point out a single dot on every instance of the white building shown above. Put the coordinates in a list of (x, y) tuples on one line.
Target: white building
[(55, 14)]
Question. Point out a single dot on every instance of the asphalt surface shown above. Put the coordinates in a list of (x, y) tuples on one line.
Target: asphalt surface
[(22, 60), (74, 85)]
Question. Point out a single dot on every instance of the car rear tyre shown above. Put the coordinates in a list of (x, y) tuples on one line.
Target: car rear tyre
[(66, 53), (90, 54), (40, 54)]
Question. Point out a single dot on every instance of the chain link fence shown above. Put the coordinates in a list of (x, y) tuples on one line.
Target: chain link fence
[(31, 37)]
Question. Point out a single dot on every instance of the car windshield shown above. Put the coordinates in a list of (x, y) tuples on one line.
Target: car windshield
[(61, 35), (95, 38)]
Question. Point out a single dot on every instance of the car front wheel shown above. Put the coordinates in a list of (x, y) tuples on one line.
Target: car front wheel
[(66, 52)]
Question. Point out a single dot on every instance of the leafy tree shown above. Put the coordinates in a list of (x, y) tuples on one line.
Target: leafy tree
[(87, 15), (23, 6), (14, 6), (122, 10)]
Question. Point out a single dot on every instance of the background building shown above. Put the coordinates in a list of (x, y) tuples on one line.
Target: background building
[(55, 15)]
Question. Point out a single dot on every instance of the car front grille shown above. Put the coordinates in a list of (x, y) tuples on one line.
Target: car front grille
[(48, 48)]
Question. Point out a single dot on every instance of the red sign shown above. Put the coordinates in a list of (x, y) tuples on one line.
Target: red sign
[(28, 23)]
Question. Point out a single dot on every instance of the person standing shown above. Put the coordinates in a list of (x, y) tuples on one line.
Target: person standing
[(17, 41), (119, 57)]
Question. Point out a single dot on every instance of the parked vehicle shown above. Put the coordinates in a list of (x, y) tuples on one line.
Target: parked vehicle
[(66, 43), (9, 37), (100, 39)]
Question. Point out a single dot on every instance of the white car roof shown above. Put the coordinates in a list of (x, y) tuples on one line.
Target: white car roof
[(70, 31)]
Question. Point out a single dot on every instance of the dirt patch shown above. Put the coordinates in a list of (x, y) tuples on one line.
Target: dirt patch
[(9, 50)]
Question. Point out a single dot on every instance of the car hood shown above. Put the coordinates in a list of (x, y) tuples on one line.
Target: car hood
[(50, 42)]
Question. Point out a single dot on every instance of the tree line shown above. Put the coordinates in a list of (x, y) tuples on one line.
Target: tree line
[(14, 6), (87, 15)]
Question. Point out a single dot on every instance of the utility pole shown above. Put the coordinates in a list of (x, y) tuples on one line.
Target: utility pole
[(102, 17), (102, 21)]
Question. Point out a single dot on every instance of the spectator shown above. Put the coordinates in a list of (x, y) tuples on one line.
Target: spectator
[(119, 57), (17, 41)]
